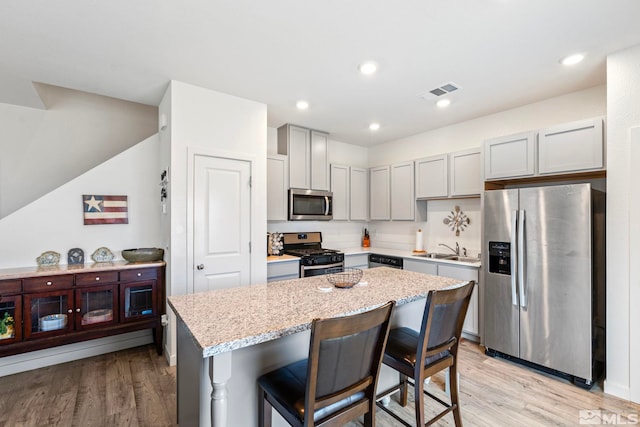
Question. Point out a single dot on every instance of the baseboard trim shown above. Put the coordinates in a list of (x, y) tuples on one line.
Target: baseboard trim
[(617, 390), (52, 356)]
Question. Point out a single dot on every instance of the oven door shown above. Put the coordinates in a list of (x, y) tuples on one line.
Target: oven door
[(317, 270)]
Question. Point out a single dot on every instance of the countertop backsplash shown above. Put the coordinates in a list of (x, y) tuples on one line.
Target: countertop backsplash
[(399, 235)]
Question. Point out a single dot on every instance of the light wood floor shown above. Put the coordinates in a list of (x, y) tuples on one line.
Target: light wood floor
[(135, 387)]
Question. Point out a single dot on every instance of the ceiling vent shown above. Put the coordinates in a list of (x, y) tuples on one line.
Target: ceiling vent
[(441, 90)]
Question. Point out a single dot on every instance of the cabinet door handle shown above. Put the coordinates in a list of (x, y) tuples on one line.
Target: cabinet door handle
[(200, 267), (139, 274), (97, 278), (70, 311), (77, 310), (49, 283)]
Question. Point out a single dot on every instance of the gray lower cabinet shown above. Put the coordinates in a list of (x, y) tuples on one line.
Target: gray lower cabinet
[(357, 261), (283, 270), (471, 327), (425, 267)]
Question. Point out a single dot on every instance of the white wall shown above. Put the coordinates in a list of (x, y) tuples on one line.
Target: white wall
[(470, 134), (209, 122), (623, 235), (55, 221), (43, 149)]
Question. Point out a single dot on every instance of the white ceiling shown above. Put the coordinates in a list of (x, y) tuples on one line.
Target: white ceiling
[(503, 53)]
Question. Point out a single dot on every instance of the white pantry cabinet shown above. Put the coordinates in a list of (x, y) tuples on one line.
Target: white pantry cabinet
[(340, 190), (432, 176), (402, 192), (359, 194), (465, 175), (277, 183), (510, 156), (571, 147), (379, 197), (307, 153)]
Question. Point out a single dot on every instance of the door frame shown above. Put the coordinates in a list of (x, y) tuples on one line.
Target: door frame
[(192, 152)]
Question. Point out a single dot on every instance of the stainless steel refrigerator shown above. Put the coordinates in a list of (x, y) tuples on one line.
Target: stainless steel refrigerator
[(544, 278)]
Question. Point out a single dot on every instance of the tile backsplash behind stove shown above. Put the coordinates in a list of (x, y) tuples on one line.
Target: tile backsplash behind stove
[(397, 234)]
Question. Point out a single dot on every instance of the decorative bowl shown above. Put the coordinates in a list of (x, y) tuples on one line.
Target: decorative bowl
[(344, 277), (53, 322), (97, 316), (143, 254)]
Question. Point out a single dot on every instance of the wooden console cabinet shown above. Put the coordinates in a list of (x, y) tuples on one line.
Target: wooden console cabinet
[(44, 307)]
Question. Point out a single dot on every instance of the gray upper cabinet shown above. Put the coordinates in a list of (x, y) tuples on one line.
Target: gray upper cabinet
[(350, 188), (319, 160), (465, 175), (277, 183), (359, 194), (432, 175), (449, 175), (510, 156), (562, 149), (379, 196), (307, 153), (340, 190), (402, 192), (571, 147)]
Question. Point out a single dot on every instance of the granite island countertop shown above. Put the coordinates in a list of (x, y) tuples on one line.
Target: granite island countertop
[(229, 319)]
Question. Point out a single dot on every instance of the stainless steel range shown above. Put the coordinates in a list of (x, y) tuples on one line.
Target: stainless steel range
[(314, 259)]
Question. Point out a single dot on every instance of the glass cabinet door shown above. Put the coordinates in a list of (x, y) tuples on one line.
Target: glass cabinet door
[(138, 299), (96, 306), (10, 319), (48, 312)]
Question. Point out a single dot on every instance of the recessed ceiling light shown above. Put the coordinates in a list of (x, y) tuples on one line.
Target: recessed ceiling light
[(572, 59), (302, 105), (368, 68), (374, 126), (443, 103)]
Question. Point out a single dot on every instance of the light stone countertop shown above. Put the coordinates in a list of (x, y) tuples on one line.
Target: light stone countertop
[(281, 258), (54, 270), (229, 319), (405, 254)]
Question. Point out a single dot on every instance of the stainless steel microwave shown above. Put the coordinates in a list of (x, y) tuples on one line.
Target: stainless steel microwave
[(310, 205)]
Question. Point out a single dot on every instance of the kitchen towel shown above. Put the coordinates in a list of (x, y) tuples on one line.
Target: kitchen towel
[(419, 241)]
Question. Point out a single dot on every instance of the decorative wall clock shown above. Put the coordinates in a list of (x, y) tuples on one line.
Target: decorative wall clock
[(457, 220)]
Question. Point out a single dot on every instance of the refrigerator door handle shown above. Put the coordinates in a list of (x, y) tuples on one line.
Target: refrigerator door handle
[(514, 257), (521, 248)]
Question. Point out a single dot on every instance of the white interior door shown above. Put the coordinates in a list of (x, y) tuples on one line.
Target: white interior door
[(222, 223)]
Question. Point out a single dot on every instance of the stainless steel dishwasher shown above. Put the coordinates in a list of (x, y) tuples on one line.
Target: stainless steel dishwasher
[(377, 260)]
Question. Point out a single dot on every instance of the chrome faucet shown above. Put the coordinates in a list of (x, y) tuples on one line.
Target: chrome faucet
[(455, 251)]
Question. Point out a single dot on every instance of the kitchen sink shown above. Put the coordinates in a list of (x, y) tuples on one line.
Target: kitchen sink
[(436, 255), (462, 258), (448, 257)]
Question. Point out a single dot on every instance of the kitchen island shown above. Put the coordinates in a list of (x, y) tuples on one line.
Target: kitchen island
[(228, 338)]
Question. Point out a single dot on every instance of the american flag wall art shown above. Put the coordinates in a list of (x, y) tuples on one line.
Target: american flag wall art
[(105, 209)]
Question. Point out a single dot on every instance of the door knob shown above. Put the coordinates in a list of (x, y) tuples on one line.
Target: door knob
[(200, 267)]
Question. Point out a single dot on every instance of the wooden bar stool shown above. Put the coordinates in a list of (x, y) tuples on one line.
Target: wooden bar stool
[(419, 355), (337, 383)]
